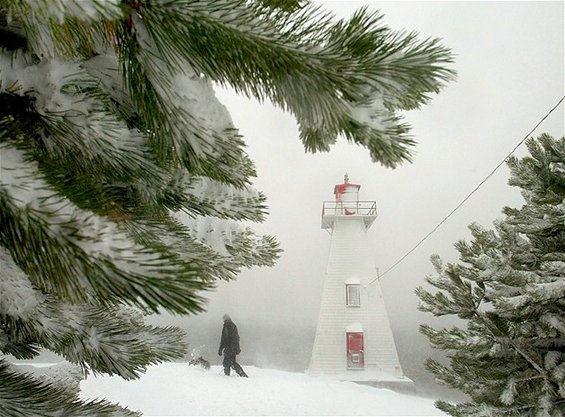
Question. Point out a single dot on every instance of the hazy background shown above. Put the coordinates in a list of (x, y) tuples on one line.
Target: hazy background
[(510, 64)]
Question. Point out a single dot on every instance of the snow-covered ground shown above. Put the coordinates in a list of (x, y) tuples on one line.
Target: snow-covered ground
[(177, 389)]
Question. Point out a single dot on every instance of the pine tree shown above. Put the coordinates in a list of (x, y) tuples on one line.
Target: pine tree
[(124, 183), (509, 289)]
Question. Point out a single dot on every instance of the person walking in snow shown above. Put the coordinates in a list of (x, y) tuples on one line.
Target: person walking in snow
[(229, 346)]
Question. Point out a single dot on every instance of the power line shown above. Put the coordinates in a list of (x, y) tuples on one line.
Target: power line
[(471, 193)]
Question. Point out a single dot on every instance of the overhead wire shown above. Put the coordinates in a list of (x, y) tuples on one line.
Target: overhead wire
[(470, 194)]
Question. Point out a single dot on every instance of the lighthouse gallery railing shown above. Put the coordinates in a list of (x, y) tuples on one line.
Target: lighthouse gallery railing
[(346, 208)]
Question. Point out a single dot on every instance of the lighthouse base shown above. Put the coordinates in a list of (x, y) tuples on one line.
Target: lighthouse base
[(403, 386), (374, 378)]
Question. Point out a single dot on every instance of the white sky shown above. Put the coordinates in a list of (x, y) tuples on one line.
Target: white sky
[(510, 64)]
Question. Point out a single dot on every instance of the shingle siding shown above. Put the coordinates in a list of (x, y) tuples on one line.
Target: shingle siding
[(350, 258)]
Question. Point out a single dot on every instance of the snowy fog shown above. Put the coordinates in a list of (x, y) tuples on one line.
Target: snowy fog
[(507, 79)]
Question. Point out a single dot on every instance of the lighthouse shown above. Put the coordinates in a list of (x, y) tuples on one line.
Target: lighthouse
[(353, 339)]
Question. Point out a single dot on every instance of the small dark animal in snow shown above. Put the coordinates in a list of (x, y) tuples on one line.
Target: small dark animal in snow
[(197, 359)]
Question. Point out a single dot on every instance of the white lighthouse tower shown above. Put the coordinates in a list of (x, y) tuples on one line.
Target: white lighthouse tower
[(353, 337)]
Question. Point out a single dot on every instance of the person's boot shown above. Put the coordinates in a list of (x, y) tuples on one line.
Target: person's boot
[(227, 371), (240, 371)]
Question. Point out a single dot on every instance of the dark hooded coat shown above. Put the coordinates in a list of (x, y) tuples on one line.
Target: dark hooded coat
[(230, 339)]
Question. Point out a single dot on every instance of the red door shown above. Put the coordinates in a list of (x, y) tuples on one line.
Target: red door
[(355, 357)]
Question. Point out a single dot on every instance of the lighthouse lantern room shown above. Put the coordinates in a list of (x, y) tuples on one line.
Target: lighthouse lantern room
[(353, 339)]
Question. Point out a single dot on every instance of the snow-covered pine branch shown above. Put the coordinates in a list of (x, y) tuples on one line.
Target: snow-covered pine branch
[(24, 391)]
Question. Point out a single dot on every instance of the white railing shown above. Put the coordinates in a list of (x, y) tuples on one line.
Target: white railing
[(348, 208)]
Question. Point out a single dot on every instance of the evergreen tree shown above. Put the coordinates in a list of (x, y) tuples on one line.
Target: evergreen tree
[(124, 183), (509, 289)]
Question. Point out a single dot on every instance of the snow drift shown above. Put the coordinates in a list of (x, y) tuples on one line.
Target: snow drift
[(182, 390)]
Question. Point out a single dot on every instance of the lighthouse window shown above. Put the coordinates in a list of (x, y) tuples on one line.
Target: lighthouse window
[(353, 294)]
